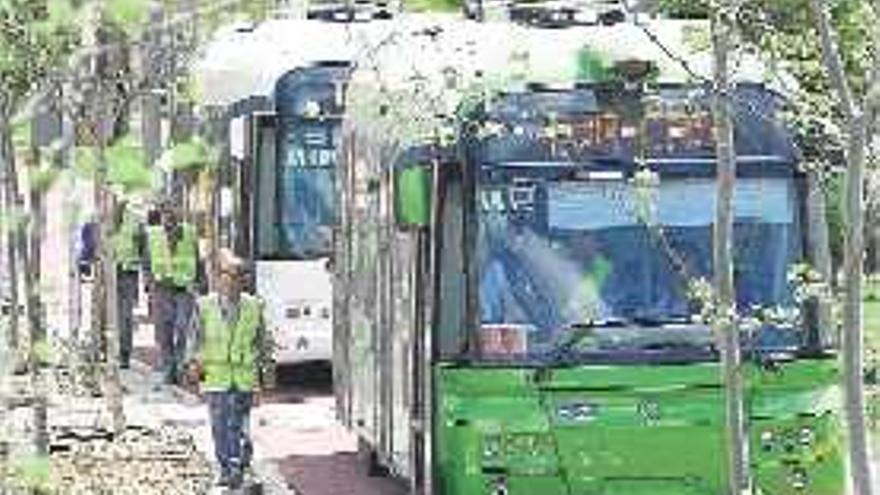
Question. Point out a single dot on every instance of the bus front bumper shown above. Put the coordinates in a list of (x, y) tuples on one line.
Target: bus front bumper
[(303, 346)]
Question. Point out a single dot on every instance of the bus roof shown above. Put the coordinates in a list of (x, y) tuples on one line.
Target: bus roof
[(424, 48)]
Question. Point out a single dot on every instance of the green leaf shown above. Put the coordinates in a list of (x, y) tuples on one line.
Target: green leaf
[(125, 165), (188, 88), (33, 471), (7, 59), (17, 218), (60, 18), (697, 38), (592, 66), (85, 161), (257, 10), (43, 178), (194, 154), (130, 15), (432, 5), (42, 351), (61, 13), (21, 135)]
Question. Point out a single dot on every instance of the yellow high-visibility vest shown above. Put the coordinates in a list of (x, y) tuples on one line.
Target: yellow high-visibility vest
[(177, 268), (125, 245), (229, 351)]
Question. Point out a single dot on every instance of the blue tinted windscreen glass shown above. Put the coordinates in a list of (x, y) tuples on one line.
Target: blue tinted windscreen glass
[(552, 254), (307, 186)]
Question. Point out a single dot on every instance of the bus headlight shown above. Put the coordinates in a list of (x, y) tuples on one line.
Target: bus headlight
[(806, 437), (767, 440), (798, 478), (491, 447), (499, 487)]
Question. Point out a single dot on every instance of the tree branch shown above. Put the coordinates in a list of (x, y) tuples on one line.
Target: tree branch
[(682, 61), (833, 63), (872, 92), (874, 78), (83, 54), (831, 57), (872, 95)]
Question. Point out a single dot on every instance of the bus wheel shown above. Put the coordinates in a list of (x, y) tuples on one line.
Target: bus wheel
[(369, 459)]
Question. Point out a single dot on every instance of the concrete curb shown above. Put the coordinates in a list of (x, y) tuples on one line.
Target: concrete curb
[(266, 470)]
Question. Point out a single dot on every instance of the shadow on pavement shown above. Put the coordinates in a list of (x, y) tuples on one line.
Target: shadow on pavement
[(335, 474), (310, 376), (296, 384)]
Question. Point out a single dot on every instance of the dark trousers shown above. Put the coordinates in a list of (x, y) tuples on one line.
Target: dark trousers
[(230, 417), (126, 299), (172, 310)]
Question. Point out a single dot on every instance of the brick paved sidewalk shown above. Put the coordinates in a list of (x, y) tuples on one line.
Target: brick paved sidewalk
[(295, 430), (184, 408)]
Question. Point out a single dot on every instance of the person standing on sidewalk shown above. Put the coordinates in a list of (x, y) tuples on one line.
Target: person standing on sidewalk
[(86, 250), (127, 242), (229, 332), (173, 270)]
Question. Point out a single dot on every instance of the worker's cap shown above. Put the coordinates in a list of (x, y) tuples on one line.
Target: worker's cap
[(229, 262)]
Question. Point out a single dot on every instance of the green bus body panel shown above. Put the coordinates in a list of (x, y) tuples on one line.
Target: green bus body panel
[(655, 430), (414, 196)]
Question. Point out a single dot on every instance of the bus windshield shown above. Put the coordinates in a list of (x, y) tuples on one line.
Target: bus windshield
[(297, 187), (560, 254), (306, 187)]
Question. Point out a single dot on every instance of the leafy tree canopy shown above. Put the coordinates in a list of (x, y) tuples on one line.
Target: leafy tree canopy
[(35, 36), (783, 32)]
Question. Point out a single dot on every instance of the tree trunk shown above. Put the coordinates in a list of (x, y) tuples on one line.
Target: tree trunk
[(106, 261), (819, 253), (98, 338), (9, 342), (853, 334), (105, 316), (737, 453), (10, 197), (36, 330), (7, 161), (874, 230), (107, 272), (853, 257), (151, 123)]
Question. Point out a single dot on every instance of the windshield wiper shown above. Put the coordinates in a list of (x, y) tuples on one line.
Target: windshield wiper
[(659, 321), (636, 335), (577, 333), (677, 345), (673, 333)]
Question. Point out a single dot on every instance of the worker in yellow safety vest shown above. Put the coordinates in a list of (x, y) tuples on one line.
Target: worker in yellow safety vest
[(227, 356), (172, 276), (127, 242)]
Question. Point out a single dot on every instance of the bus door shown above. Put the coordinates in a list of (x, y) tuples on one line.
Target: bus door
[(260, 196)]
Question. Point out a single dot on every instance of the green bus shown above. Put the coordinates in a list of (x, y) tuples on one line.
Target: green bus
[(515, 264)]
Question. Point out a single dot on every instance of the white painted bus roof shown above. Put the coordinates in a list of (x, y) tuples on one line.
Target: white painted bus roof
[(236, 65)]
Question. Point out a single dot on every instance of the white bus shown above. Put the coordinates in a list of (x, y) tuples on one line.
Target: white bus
[(279, 87)]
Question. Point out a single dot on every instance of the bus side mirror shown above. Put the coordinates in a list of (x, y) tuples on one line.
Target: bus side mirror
[(412, 196)]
